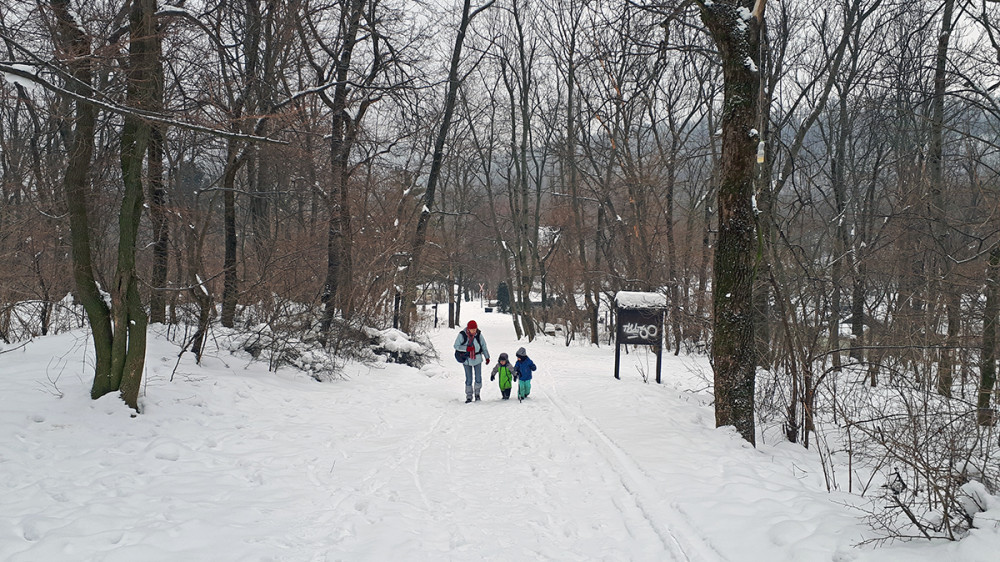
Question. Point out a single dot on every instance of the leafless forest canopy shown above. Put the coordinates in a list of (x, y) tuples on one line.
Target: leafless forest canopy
[(311, 168)]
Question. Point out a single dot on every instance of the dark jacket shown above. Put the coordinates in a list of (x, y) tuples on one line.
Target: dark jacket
[(523, 368)]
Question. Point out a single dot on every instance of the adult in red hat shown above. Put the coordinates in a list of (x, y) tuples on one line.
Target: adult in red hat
[(471, 350)]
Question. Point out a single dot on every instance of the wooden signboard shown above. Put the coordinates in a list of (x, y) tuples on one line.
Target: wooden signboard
[(640, 322)]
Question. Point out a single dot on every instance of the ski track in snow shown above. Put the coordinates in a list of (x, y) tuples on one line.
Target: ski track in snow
[(630, 504), (691, 545)]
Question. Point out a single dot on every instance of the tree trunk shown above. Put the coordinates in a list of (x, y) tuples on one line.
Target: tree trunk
[(935, 164), (129, 343), (161, 226), (338, 272), (229, 283), (458, 302), (73, 46), (528, 252), (452, 312), (571, 174), (158, 194), (988, 355), (703, 263), (863, 223), (193, 243), (517, 83), (858, 309), (673, 284), (841, 242), (767, 190), (733, 343), (120, 347)]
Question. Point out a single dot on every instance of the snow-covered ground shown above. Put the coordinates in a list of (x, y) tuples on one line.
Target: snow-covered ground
[(231, 462)]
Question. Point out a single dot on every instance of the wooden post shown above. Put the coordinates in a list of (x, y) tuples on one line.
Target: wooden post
[(659, 351), (618, 349)]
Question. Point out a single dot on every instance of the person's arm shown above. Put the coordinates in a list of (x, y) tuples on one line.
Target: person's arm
[(532, 365), (486, 352), (458, 342)]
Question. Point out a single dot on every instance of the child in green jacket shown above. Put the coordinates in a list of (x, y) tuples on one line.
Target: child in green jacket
[(503, 369)]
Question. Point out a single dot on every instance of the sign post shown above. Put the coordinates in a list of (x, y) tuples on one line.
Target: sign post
[(640, 322)]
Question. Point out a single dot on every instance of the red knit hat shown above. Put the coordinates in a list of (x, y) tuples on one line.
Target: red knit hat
[(472, 324)]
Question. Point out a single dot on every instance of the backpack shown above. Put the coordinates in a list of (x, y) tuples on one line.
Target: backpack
[(460, 355)]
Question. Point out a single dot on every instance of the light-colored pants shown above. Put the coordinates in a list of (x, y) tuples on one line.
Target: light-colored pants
[(468, 379), (523, 388)]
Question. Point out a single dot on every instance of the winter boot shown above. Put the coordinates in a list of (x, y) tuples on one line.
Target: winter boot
[(477, 398)]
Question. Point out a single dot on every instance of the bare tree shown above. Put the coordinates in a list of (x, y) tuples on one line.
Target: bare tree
[(74, 47), (119, 330), (343, 134), (420, 235), (938, 211), (565, 45)]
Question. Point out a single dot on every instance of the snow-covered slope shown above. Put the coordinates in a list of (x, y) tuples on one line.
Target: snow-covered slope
[(231, 462)]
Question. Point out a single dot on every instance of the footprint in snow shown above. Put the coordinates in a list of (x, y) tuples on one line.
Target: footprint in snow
[(164, 451)]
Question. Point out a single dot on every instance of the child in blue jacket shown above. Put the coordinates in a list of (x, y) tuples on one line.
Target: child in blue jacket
[(522, 373)]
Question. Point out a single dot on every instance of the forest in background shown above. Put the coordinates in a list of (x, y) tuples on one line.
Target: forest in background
[(308, 170)]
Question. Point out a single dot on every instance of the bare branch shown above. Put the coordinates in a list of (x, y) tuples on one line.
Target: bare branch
[(125, 110)]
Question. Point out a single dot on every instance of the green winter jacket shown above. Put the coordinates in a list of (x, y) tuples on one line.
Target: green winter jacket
[(506, 375)]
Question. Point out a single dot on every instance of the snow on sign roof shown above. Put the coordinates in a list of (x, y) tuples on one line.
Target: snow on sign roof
[(632, 299)]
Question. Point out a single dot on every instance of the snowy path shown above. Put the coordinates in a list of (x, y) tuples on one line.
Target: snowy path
[(532, 480), (230, 462)]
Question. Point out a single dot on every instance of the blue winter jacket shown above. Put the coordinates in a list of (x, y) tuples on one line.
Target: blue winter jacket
[(523, 368), (482, 352)]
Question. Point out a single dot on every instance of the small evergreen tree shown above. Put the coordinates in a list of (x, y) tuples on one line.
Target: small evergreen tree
[(503, 298)]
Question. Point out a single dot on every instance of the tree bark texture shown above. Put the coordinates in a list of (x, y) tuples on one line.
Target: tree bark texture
[(73, 46), (129, 343), (229, 282), (119, 331), (735, 27), (158, 199), (161, 227)]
